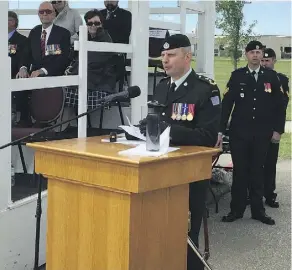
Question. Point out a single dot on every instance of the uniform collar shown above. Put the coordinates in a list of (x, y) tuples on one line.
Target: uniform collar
[(181, 80), (256, 70)]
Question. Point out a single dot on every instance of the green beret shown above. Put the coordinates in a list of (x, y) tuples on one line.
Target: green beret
[(254, 45), (268, 52), (176, 41)]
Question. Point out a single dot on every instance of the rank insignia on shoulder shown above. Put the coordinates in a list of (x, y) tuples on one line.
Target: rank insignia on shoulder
[(212, 82)]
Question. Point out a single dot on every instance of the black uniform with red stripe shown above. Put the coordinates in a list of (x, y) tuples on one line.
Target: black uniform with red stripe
[(258, 110), (200, 97), (272, 155)]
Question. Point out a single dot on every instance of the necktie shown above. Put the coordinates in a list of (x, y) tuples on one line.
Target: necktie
[(255, 75), (172, 88), (43, 43), (108, 15)]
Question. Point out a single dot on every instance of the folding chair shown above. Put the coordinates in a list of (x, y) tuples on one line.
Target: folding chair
[(46, 108)]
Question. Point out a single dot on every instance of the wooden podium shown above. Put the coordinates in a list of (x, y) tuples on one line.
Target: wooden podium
[(111, 212)]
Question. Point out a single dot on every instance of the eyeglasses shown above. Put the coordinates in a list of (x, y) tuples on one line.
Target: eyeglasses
[(56, 2), (93, 23), (47, 11)]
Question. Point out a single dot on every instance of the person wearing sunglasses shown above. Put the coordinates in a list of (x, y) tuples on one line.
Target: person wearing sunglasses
[(68, 18), (48, 47), (101, 76)]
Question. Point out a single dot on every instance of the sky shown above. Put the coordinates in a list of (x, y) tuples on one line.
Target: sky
[(273, 17)]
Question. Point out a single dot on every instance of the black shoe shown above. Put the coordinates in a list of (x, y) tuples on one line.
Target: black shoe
[(264, 219), (272, 203), (231, 217)]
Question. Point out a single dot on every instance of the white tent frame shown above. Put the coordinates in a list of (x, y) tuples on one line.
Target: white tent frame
[(138, 49)]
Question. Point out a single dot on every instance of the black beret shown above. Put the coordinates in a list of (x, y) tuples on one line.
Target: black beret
[(268, 52), (175, 41), (254, 45), (12, 14)]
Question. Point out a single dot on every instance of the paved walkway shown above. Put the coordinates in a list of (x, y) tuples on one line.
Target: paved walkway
[(247, 244)]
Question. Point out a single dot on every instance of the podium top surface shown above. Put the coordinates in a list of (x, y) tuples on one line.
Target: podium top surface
[(94, 148)]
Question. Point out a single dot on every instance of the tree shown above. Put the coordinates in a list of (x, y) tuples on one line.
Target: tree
[(230, 20)]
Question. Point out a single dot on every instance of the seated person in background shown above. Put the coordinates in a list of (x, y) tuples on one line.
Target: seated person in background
[(68, 18), (118, 22), (16, 45), (48, 47), (101, 77)]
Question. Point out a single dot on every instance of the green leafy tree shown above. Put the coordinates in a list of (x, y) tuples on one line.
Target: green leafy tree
[(230, 20)]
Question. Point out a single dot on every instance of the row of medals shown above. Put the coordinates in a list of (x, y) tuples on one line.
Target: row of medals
[(183, 117), (176, 112)]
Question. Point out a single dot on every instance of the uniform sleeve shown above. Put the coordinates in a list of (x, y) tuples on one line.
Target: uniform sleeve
[(227, 104), (280, 107), (285, 85), (207, 126)]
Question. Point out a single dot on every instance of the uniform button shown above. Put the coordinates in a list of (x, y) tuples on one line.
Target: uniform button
[(253, 117), (254, 90), (254, 99), (163, 113), (254, 108)]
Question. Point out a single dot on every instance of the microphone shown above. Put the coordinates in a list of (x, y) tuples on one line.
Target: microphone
[(131, 92)]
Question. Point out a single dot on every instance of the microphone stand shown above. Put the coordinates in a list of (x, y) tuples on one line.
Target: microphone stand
[(39, 198)]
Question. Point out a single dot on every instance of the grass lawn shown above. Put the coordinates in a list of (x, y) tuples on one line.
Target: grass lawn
[(223, 69), (285, 146)]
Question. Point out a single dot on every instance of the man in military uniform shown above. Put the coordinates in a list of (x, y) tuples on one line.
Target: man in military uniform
[(269, 61), (255, 95), (192, 109)]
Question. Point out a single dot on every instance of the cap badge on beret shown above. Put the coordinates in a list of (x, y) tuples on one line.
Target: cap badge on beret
[(165, 45), (266, 55), (257, 47)]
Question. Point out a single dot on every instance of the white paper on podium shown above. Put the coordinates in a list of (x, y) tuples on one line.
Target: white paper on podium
[(140, 150)]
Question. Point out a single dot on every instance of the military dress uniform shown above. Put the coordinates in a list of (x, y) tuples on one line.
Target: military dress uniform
[(193, 112), (192, 109), (258, 110), (272, 155)]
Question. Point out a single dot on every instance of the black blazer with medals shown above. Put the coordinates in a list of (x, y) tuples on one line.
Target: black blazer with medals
[(56, 59), (16, 46), (198, 95)]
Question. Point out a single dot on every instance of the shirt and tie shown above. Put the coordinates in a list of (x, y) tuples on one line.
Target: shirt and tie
[(255, 73), (175, 84), (45, 34)]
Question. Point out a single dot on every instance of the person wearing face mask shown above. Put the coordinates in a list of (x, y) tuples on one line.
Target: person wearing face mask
[(269, 61), (101, 76), (68, 18), (118, 22)]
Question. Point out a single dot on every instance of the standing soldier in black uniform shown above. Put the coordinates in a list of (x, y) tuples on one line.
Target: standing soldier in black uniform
[(192, 109), (255, 95), (269, 61)]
